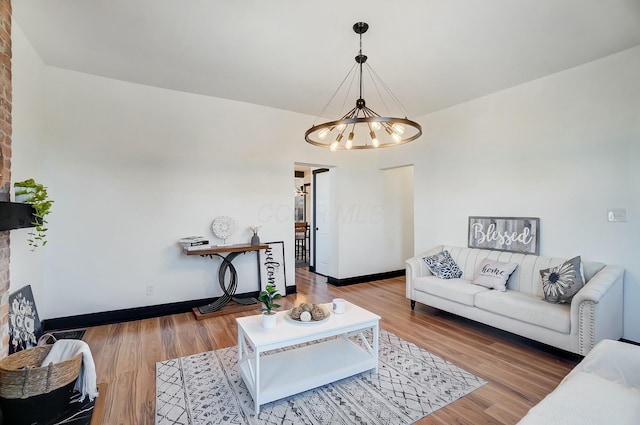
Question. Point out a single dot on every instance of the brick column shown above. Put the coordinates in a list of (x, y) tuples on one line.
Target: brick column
[(5, 165)]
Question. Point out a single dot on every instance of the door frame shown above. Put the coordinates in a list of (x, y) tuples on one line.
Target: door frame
[(312, 267)]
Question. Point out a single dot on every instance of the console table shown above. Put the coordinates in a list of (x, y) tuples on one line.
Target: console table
[(231, 251)]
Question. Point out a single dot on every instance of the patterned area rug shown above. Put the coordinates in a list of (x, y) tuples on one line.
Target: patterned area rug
[(410, 384)]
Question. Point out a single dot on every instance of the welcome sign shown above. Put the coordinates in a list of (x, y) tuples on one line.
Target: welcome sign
[(512, 234), (272, 271)]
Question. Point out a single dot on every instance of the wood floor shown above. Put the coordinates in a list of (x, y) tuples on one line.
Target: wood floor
[(520, 373)]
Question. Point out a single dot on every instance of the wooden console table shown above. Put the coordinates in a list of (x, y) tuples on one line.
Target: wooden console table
[(231, 251)]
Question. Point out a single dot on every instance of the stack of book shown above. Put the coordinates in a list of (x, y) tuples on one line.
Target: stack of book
[(191, 242)]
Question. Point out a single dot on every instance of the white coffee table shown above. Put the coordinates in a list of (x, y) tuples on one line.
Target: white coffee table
[(271, 376)]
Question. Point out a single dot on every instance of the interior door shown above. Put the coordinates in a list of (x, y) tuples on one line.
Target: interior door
[(321, 221)]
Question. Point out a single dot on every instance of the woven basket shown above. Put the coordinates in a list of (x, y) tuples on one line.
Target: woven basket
[(21, 375)]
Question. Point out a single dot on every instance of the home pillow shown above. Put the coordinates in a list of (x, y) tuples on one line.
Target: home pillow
[(562, 282), (443, 266), (494, 274)]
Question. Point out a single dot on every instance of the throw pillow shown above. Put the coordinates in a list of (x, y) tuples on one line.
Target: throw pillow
[(443, 266), (494, 274), (562, 282)]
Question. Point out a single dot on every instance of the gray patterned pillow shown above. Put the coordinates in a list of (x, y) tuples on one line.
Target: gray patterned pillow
[(562, 282), (443, 266)]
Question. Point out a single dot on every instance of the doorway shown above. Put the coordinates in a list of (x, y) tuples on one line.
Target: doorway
[(302, 214), (311, 207)]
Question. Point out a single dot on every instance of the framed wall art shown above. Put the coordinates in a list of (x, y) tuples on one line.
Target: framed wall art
[(512, 234), (272, 269), (24, 324)]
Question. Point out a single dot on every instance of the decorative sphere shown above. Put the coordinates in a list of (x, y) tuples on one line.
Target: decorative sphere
[(295, 313), (317, 314), (305, 316)]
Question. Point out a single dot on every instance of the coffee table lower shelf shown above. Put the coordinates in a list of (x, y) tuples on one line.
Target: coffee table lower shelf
[(293, 371)]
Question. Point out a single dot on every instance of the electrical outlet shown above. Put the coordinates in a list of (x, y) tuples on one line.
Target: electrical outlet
[(617, 214), (151, 290)]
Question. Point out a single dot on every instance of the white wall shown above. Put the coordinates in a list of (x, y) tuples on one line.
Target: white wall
[(27, 161), (398, 214), (564, 148), (133, 168), (136, 168)]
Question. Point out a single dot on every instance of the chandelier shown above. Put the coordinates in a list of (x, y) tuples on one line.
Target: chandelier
[(362, 127)]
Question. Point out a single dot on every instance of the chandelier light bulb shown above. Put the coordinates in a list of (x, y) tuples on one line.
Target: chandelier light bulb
[(323, 133), (349, 143), (341, 127), (333, 146), (396, 137), (374, 140), (375, 125), (398, 129)]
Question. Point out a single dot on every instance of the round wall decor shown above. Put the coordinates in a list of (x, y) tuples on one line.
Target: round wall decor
[(223, 227)]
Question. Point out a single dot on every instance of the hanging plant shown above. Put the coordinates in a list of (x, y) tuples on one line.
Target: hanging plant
[(35, 194)]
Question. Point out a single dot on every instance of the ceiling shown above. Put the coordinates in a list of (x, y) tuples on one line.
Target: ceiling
[(293, 54)]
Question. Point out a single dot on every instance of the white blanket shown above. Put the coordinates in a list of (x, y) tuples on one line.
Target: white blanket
[(66, 349)]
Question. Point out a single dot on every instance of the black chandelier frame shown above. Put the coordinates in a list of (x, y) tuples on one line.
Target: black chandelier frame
[(362, 119)]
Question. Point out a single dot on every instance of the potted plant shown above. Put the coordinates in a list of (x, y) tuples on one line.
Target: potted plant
[(267, 298), (35, 194)]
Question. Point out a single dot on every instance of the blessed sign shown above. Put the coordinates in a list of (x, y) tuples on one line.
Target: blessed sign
[(513, 234)]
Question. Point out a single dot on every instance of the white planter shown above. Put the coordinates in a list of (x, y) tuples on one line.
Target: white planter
[(269, 320), (24, 198)]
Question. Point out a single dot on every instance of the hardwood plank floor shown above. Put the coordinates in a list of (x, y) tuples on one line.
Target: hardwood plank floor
[(520, 372)]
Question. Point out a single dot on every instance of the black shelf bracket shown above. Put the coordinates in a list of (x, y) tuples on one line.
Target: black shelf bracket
[(14, 215)]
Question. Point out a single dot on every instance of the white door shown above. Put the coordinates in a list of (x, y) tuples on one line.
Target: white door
[(321, 222)]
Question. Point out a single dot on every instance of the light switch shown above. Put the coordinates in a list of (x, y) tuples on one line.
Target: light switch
[(617, 214)]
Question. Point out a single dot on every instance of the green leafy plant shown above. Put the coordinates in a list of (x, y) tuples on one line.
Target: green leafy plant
[(268, 297), (36, 195)]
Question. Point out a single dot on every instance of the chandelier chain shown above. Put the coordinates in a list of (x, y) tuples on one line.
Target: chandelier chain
[(360, 63)]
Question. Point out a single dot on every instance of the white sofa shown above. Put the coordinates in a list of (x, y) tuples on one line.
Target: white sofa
[(595, 313), (604, 388)]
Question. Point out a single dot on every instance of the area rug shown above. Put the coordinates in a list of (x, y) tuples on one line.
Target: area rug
[(410, 384)]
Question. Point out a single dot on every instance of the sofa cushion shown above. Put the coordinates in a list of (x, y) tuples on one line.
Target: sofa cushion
[(586, 398), (614, 361), (590, 268), (526, 308), (458, 290), (443, 266), (494, 274), (562, 282)]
